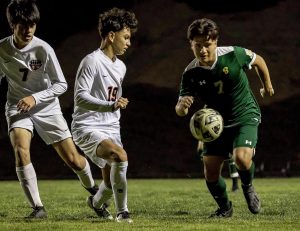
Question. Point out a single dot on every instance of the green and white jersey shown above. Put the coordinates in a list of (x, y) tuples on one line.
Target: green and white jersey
[(224, 86)]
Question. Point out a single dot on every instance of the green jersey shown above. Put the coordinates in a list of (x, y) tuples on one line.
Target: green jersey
[(224, 86)]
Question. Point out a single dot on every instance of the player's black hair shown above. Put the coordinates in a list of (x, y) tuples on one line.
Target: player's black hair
[(115, 20), (203, 27), (22, 11)]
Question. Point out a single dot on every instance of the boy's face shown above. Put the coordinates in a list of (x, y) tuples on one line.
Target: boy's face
[(204, 49), (23, 34), (121, 41)]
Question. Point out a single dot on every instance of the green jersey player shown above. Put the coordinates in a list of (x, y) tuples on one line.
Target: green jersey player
[(217, 76)]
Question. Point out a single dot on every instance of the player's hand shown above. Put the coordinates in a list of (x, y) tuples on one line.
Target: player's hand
[(121, 103), (183, 105), (269, 91), (186, 102), (25, 104)]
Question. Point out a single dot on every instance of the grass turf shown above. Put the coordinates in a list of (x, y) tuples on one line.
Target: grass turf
[(155, 204)]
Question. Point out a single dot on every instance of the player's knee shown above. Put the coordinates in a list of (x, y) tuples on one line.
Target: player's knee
[(243, 163), (119, 154)]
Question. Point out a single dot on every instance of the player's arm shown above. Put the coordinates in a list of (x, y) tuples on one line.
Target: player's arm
[(58, 82), (183, 105), (264, 76), (82, 90)]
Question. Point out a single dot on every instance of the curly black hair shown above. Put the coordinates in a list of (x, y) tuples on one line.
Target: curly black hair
[(115, 20)]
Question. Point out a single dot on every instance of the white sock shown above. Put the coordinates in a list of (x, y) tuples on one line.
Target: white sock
[(103, 195), (85, 176), (28, 181), (119, 185)]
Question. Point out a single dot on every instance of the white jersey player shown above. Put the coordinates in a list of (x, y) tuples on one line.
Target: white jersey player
[(98, 98), (35, 80)]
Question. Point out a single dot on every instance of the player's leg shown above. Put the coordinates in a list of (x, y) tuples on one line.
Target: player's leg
[(216, 185), (117, 156), (53, 129), (246, 169), (234, 175), (20, 139), (101, 200), (79, 164), (242, 154)]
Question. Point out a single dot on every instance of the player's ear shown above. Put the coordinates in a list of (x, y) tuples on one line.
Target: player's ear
[(191, 44), (111, 36)]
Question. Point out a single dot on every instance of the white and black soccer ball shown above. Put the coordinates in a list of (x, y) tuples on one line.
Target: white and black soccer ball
[(206, 124)]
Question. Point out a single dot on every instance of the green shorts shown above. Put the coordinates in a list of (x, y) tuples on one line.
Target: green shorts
[(243, 135)]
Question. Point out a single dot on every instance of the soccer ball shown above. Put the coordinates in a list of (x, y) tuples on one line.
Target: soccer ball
[(206, 124)]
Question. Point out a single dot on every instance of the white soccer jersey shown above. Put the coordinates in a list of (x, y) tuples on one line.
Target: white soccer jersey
[(98, 85), (33, 70)]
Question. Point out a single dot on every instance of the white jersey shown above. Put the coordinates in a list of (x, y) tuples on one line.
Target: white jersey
[(32, 71), (97, 86)]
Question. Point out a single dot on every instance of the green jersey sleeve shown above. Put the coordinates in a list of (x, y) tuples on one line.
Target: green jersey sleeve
[(245, 57)]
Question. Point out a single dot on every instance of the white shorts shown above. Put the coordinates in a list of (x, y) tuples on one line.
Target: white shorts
[(51, 128), (88, 141)]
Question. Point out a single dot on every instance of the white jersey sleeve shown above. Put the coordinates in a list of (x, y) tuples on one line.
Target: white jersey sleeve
[(58, 83)]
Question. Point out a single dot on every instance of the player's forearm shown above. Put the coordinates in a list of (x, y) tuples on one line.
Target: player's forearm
[(52, 92), (88, 102), (263, 72)]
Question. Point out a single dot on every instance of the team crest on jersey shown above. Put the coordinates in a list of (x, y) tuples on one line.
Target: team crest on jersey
[(249, 53), (35, 64), (226, 70)]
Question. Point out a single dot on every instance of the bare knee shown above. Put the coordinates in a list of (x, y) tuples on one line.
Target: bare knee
[(243, 158), (118, 154), (110, 151)]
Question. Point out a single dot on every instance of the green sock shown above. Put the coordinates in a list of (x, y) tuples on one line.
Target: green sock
[(247, 176), (218, 191)]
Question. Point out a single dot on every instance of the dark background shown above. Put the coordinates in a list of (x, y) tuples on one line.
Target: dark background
[(158, 142)]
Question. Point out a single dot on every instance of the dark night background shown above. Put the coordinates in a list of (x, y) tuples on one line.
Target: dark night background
[(158, 142)]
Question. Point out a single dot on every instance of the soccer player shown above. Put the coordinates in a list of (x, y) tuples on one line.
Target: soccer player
[(97, 103), (234, 175), (217, 76), (35, 80)]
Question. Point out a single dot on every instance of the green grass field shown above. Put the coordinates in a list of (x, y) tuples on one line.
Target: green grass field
[(158, 204)]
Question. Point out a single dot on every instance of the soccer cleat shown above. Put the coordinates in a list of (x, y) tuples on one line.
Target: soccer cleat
[(38, 212), (124, 217), (251, 198), (93, 190), (221, 213), (101, 212)]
